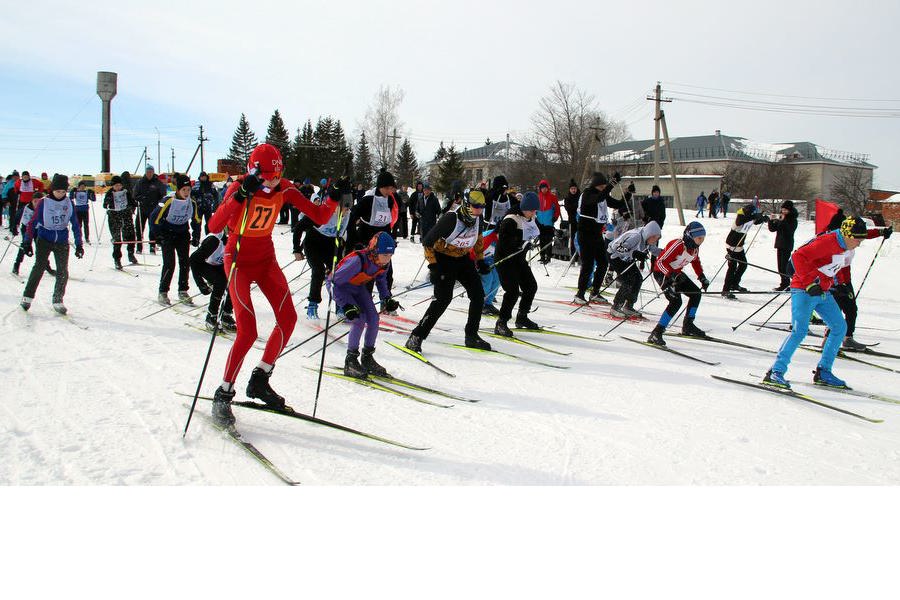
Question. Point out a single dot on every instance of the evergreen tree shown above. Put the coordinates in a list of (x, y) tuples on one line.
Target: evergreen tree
[(304, 153), (362, 165), (441, 153), (406, 169), (343, 154), (488, 141), (450, 169), (242, 142), (278, 136)]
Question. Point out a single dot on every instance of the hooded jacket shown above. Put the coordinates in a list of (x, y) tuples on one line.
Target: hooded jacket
[(548, 213), (635, 240), (784, 229)]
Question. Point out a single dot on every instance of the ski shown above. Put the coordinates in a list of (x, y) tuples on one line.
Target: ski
[(380, 387), (419, 357), (124, 272), (787, 329), (74, 322), (795, 394), (548, 331), (408, 321), (290, 412), (507, 354), (490, 333), (845, 356), (871, 352), (846, 390), (670, 350), (234, 435), (719, 341), (413, 386)]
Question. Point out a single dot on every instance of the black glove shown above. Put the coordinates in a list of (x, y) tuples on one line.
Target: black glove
[(204, 289), (760, 219), (29, 251), (434, 274), (79, 251), (195, 242), (483, 267), (334, 193), (887, 231), (616, 177), (639, 255), (631, 188), (251, 185), (351, 311), (814, 289), (390, 305), (704, 282)]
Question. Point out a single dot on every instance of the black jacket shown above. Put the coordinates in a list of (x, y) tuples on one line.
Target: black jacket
[(571, 204), (654, 210), (592, 201), (784, 230), (149, 193)]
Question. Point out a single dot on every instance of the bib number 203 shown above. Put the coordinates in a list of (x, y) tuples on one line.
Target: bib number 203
[(261, 217)]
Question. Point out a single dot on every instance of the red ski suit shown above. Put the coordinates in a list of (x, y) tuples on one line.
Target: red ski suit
[(256, 263)]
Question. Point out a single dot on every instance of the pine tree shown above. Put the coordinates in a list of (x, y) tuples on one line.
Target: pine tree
[(406, 169), (242, 142), (278, 136), (303, 153), (450, 170), (343, 154), (441, 153), (362, 165)]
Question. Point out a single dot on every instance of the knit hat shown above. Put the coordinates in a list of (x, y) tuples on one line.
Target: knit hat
[(530, 201), (382, 243), (598, 179), (182, 180), (203, 174), (499, 182), (655, 188), (854, 227), (115, 179), (694, 230), (476, 198), (572, 183), (787, 204), (44, 175), (385, 179), (149, 168), (426, 186), (323, 182), (60, 182)]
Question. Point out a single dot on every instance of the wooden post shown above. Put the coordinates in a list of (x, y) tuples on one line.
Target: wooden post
[(665, 130)]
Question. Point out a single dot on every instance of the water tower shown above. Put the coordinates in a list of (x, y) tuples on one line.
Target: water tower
[(106, 89)]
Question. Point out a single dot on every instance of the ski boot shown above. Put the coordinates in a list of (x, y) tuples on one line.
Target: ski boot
[(414, 343), (739, 288), (728, 295), (312, 311), (221, 407), (579, 299), (692, 330), (489, 309), (369, 364), (776, 379), (598, 299), (152, 249), (118, 263), (228, 323), (352, 368), (163, 298), (523, 322), (15, 269), (632, 312), (474, 341), (826, 378), (501, 328), (258, 387), (656, 336), (26, 303), (618, 312), (211, 322), (852, 345), (185, 298), (60, 308), (132, 259)]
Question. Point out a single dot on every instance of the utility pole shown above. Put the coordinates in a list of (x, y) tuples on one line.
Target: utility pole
[(590, 154), (107, 86), (394, 139), (158, 154), (657, 98), (202, 139), (665, 129), (172, 166)]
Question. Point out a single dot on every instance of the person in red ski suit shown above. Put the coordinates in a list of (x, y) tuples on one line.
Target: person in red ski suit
[(250, 210)]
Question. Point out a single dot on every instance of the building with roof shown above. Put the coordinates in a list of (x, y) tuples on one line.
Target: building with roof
[(486, 162)]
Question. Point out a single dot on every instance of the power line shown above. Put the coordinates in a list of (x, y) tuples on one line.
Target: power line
[(810, 112), (700, 87), (786, 104)]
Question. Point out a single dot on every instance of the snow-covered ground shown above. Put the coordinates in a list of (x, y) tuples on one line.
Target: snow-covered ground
[(97, 406)]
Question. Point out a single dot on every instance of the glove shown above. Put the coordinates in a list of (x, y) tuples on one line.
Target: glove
[(759, 220), (334, 193), (814, 289), (195, 242), (631, 188), (617, 177), (887, 231), (251, 185), (434, 274), (639, 256), (298, 256), (351, 311), (79, 251), (204, 289), (29, 251), (704, 282), (390, 305), (483, 267)]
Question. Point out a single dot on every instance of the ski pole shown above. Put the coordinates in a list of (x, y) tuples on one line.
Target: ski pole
[(569, 266), (7, 250), (94, 219), (340, 219), (413, 282), (780, 306), (97, 247), (761, 268), (622, 322), (755, 312), (165, 308), (616, 278), (869, 269), (215, 331)]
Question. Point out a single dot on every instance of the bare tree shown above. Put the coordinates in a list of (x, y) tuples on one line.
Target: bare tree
[(772, 182), (850, 189), (382, 118), (565, 124)]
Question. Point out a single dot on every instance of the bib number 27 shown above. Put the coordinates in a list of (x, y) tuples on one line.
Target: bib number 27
[(261, 217)]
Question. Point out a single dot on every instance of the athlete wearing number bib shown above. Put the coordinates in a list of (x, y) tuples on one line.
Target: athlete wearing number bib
[(175, 224), (517, 230), (82, 198)]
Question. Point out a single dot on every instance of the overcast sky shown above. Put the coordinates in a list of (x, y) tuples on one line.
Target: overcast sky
[(470, 69)]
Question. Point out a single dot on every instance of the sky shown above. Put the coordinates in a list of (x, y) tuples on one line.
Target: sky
[(470, 70)]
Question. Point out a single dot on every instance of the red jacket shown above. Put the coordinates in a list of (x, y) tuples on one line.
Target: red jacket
[(262, 212), (549, 205), (844, 275), (26, 195), (820, 259), (676, 257)]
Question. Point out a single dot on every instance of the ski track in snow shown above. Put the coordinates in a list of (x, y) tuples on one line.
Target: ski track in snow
[(97, 406)]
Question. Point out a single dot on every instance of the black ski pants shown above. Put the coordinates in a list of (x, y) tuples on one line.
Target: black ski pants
[(450, 270), (593, 258), (516, 279), (172, 245), (42, 252), (120, 229), (629, 278), (673, 295), (319, 251), (737, 265), (547, 233), (784, 256), (846, 299), (214, 276)]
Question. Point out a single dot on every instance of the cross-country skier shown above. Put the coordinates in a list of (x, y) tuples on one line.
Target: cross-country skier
[(667, 270), (49, 227), (27, 215), (746, 217), (490, 281), (518, 230), (25, 187), (208, 269), (119, 204), (816, 265), (250, 209), (628, 252), (499, 201), (319, 247), (593, 215), (447, 247), (175, 225), (350, 286), (82, 198)]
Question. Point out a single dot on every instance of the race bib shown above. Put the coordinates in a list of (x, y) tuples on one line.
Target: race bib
[(120, 200), (262, 214), (57, 214), (81, 198)]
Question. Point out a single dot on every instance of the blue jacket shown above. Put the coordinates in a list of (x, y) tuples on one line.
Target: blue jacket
[(50, 208)]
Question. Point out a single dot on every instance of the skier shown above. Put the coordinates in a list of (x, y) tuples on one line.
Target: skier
[(148, 193), (250, 210), (319, 245), (82, 196), (714, 204), (547, 215), (667, 271), (25, 188), (627, 255), (490, 281), (447, 248), (206, 197), (746, 217), (49, 227), (518, 230), (816, 264), (208, 269), (27, 214), (654, 207), (571, 204), (499, 201), (701, 204), (119, 203), (377, 211), (784, 228), (593, 215), (350, 286), (175, 224)]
